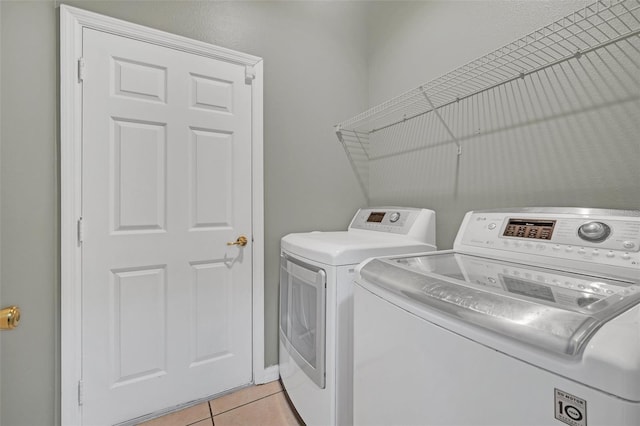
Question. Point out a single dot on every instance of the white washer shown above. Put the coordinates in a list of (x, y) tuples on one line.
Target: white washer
[(316, 311), (532, 319)]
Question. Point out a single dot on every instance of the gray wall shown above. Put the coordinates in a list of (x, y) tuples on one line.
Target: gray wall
[(323, 61), (29, 212), (567, 136), (1, 300), (315, 75)]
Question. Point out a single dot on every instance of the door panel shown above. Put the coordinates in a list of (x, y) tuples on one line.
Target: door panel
[(166, 184), (139, 173), (211, 312), (210, 167), (139, 341)]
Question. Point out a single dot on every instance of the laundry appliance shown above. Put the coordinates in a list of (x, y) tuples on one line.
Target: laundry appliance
[(532, 319), (316, 311)]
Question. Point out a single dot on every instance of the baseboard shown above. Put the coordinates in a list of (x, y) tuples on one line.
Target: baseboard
[(269, 374)]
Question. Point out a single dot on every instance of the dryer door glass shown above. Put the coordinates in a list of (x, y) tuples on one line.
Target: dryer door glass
[(302, 315)]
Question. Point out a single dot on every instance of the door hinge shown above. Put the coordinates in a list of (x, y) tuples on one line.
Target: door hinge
[(80, 230), (82, 69), (80, 392), (249, 74)]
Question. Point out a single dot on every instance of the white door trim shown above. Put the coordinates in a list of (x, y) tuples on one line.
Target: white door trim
[(72, 21)]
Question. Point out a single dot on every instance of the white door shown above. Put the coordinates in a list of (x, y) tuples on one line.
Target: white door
[(166, 172)]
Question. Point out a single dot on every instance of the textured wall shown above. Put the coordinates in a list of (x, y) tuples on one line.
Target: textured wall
[(29, 195), (566, 136), (323, 60), (1, 299), (315, 75)]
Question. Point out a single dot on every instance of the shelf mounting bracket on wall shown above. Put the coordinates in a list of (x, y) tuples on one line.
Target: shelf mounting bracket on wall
[(444, 123), (361, 175), (609, 27)]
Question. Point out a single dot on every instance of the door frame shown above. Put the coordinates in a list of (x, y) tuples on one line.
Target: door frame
[(72, 22)]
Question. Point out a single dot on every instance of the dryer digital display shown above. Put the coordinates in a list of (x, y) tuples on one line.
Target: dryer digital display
[(376, 217), (526, 228)]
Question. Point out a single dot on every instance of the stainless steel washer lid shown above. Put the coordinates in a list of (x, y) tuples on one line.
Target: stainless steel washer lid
[(554, 310), (349, 247)]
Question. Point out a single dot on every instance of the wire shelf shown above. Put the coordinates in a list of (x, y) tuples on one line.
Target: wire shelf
[(600, 24)]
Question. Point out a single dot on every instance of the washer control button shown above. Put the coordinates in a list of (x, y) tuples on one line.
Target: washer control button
[(626, 256), (610, 254), (594, 232), (628, 244), (492, 226), (395, 216)]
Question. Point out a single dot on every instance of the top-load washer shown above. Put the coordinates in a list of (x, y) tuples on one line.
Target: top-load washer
[(316, 312), (532, 319)]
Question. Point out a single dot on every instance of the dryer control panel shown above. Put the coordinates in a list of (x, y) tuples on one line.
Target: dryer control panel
[(419, 224), (610, 237)]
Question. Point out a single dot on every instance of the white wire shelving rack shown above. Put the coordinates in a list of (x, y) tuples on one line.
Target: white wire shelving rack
[(596, 26)]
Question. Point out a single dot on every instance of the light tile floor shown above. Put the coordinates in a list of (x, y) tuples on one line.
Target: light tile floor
[(262, 405)]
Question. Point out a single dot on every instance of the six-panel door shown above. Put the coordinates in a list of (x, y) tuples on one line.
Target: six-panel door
[(166, 184)]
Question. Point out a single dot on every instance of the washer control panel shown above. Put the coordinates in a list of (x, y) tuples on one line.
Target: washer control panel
[(566, 289), (600, 236)]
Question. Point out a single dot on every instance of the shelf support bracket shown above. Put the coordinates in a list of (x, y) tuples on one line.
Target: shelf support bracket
[(357, 170), (444, 123), (339, 133)]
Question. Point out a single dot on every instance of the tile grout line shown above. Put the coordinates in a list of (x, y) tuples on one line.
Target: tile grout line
[(210, 408), (204, 418), (211, 413), (198, 421), (245, 404)]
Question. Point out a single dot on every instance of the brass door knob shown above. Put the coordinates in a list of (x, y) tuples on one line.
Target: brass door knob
[(9, 318), (241, 241)]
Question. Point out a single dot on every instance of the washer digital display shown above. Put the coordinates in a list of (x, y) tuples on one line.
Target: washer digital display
[(525, 228)]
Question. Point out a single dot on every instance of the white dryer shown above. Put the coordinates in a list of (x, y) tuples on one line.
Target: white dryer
[(316, 311), (532, 319)]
